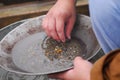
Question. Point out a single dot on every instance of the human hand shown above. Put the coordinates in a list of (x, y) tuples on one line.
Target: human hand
[(59, 21), (81, 71)]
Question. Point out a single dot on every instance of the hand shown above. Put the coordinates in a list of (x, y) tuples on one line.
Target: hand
[(81, 71), (60, 20)]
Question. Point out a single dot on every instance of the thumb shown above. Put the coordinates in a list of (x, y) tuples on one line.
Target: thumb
[(78, 61)]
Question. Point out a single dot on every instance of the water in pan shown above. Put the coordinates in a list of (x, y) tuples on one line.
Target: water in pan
[(34, 54), (58, 50)]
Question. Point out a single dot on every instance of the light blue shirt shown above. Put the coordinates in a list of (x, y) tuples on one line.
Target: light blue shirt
[(105, 17)]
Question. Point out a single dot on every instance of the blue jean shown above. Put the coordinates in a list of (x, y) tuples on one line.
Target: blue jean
[(105, 17)]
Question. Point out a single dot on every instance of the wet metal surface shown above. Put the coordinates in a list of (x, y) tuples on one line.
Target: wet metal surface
[(21, 51), (30, 56), (6, 75)]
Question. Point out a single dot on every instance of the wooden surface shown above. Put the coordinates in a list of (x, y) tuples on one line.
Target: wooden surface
[(10, 2), (13, 13)]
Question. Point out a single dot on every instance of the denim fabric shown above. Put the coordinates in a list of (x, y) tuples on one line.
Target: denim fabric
[(105, 17)]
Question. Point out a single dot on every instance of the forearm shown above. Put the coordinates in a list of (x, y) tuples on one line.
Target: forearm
[(69, 1)]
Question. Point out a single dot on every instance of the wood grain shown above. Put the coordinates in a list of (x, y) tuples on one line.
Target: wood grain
[(16, 12)]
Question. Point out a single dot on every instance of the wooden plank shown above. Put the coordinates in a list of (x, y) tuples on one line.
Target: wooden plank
[(82, 7), (13, 13), (10, 2)]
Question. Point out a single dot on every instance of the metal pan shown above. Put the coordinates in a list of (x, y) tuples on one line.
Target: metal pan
[(14, 61)]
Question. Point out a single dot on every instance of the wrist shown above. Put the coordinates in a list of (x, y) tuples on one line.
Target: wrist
[(69, 1)]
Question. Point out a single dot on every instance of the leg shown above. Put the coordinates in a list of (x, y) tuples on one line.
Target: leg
[(105, 17)]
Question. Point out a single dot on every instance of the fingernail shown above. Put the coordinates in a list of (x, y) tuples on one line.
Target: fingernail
[(69, 37)]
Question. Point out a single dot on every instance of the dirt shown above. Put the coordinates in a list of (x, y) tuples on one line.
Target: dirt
[(59, 50)]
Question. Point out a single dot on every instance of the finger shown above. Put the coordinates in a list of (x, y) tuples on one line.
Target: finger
[(66, 75), (56, 76), (69, 27), (52, 28), (45, 25), (60, 28), (78, 61)]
